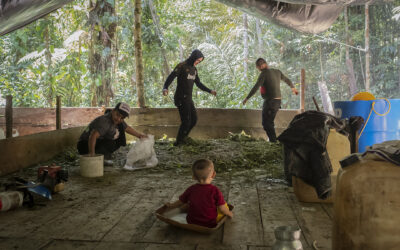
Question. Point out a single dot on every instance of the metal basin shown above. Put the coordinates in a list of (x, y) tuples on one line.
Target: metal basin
[(287, 233)]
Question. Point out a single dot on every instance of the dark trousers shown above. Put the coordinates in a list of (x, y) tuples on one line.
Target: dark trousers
[(270, 108), (188, 115), (104, 146)]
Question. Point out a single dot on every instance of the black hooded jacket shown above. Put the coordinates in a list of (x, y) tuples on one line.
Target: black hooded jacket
[(187, 76)]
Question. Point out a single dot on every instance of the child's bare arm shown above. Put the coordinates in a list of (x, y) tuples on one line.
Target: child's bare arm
[(225, 210), (175, 204)]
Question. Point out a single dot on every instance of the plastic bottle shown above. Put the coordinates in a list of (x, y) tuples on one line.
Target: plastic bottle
[(10, 200)]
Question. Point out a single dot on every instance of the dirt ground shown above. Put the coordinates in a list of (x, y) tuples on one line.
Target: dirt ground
[(116, 211)]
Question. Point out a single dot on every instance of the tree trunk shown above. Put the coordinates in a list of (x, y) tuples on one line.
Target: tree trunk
[(160, 39), (326, 99), (114, 53), (181, 57), (93, 57), (323, 89), (101, 57), (367, 50), (320, 62), (47, 53), (245, 47), (260, 49), (352, 79), (133, 81), (108, 41), (138, 54), (346, 28), (302, 90), (349, 62)]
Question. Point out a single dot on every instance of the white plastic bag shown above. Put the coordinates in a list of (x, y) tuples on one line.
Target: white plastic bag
[(141, 154), (152, 161)]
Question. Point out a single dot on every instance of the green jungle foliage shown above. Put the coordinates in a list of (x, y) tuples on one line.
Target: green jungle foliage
[(50, 56)]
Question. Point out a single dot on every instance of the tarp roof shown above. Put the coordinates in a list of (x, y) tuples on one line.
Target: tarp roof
[(310, 16), (15, 14)]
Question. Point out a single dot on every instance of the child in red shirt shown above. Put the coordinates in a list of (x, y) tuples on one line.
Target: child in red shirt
[(203, 198)]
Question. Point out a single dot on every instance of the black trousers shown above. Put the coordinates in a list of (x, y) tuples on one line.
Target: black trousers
[(270, 108), (104, 146), (188, 115)]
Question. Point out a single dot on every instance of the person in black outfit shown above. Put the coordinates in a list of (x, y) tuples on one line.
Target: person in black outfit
[(269, 84), (186, 73)]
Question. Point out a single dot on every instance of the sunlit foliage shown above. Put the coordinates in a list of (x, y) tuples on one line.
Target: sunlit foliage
[(34, 79)]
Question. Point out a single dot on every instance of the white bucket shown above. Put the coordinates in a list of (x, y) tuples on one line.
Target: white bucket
[(92, 166), (10, 200)]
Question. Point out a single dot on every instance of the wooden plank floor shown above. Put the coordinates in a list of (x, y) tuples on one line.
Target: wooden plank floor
[(117, 212)]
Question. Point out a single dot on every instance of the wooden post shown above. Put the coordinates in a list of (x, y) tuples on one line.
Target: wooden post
[(9, 117), (302, 90), (58, 113)]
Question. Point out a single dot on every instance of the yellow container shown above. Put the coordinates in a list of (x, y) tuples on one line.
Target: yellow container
[(362, 96), (367, 207), (92, 166), (337, 146), (59, 187)]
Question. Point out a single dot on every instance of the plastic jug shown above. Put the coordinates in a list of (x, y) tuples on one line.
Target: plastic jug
[(10, 200), (366, 207)]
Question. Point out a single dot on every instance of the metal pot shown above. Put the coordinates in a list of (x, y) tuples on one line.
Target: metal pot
[(287, 238)]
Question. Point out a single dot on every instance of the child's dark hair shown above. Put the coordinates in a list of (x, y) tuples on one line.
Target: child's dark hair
[(260, 61), (201, 169)]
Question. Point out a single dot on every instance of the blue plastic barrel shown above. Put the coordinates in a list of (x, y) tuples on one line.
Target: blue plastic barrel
[(378, 128)]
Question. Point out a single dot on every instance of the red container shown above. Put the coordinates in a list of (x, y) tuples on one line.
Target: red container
[(52, 170)]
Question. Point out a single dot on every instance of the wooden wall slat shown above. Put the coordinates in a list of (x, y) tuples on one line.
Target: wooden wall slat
[(35, 120), (23, 151)]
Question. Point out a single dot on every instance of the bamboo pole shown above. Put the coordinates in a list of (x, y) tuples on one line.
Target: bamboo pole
[(302, 90), (58, 113), (9, 116)]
